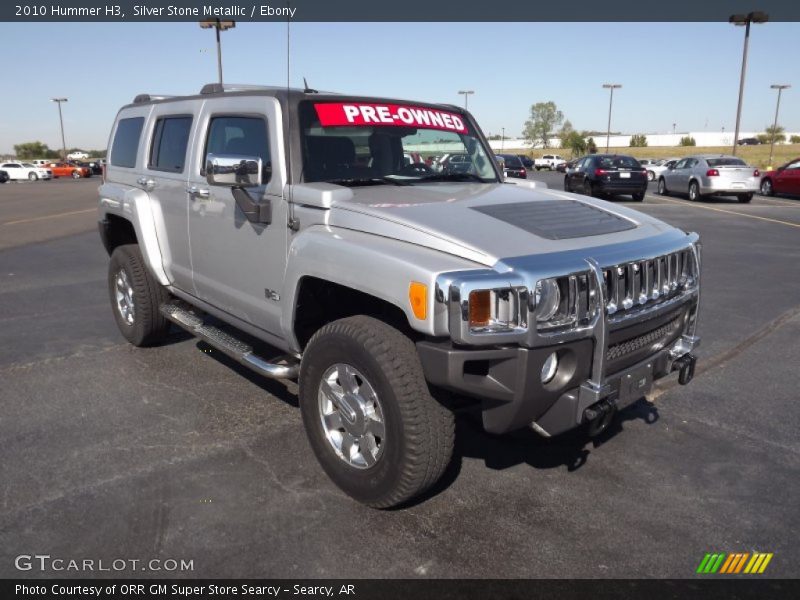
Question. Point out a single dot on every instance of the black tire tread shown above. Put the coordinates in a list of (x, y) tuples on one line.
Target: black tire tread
[(150, 326), (429, 427)]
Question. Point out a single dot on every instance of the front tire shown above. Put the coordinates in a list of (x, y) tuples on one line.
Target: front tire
[(766, 188), (136, 297), (33, 176), (76, 175), (370, 419), (662, 188), (566, 185)]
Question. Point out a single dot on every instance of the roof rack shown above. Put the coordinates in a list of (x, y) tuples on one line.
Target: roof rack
[(141, 98), (216, 88)]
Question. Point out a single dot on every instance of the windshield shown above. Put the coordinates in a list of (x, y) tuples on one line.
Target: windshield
[(360, 143), (726, 161)]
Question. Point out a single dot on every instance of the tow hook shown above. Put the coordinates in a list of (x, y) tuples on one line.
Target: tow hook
[(600, 416), (685, 367)]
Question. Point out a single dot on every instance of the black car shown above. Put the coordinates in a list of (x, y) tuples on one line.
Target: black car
[(749, 142), (527, 161), (4, 176), (513, 166), (607, 174)]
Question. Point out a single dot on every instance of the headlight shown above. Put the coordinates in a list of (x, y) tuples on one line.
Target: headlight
[(548, 298), (496, 311)]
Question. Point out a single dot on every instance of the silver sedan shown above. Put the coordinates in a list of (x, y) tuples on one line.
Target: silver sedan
[(710, 174)]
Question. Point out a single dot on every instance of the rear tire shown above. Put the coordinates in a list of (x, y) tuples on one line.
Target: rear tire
[(409, 448), (651, 176), (588, 188), (566, 185), (662, 188), (766, 188), (745, 198), (694, 192), (638, 197), (136, 297)]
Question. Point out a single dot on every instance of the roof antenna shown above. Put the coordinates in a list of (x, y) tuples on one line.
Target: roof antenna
[(307, 89)]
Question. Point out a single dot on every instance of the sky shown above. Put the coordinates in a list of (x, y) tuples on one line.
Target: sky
[(682, 73)]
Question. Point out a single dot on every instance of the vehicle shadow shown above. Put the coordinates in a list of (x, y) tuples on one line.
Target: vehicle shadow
[(570, 450)]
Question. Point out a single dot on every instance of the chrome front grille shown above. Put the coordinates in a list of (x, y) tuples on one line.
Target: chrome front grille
[(644, 283), (629, 287)]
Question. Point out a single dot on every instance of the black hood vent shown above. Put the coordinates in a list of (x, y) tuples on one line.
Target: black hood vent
[(557, 219)]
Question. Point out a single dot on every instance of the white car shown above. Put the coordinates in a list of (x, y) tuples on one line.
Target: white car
[(20, 171), (548, 161), (656, 168), (77, 156)]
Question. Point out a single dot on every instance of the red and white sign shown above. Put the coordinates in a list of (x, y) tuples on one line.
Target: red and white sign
[(355, 114)]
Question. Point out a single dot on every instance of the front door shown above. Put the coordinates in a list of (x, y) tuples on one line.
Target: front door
[(238, 266)]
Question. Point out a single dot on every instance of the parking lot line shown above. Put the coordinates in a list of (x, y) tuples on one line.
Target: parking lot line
[(731, 212), (66, 214)]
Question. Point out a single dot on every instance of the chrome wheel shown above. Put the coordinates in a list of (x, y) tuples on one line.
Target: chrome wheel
[(651, 176), (351, 416), (123, 291), (766, 188), (693, 192)]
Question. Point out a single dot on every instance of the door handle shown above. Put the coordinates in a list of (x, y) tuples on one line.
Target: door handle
[(146, 183), (197, 192)]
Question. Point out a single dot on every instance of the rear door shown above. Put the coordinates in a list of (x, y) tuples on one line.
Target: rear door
[(238, 265), (164, 175)]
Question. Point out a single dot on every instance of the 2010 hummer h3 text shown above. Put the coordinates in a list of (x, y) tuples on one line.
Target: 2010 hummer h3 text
[(310, 235)]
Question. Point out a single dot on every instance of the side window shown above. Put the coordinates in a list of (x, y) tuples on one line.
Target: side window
[(681, 164), (126, 142), (690, 162), (242, 136), (170, 140)]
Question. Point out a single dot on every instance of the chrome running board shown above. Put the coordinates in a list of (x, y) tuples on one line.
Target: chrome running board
[(180, 313)]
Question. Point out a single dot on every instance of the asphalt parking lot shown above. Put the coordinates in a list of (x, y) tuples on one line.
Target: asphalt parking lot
[(173, 452)]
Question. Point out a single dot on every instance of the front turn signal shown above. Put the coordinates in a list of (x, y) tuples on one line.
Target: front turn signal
[(418, 297), (480, 308)]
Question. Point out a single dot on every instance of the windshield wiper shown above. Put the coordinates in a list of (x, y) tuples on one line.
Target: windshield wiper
[(454, 177), (357, 181)]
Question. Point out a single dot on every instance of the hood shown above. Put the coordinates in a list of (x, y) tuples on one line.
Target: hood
[(489, 222)]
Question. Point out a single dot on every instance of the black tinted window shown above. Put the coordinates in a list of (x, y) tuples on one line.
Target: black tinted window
[(619, 162), (170, 140), (242, 136), (126, 142), (726, 161), (511, 160)]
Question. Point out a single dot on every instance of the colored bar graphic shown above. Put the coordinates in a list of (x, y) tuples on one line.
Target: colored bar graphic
[(703, 563), (732, 560), (765, 563), (723, 563)]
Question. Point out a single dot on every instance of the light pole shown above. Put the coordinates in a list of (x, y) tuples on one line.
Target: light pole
[(61, 120), (466, 96), (218, 25), (502, 138), (612, 87), (780, 87), (739, 20)]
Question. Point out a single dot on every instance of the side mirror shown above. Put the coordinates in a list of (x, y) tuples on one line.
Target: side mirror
[(232, 170), (240, 172)]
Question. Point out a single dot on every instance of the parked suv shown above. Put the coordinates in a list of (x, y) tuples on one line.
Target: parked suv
[(607, 174), (285, 228)]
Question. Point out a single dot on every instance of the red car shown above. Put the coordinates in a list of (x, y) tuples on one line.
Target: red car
[(65, 169), (783, 180)]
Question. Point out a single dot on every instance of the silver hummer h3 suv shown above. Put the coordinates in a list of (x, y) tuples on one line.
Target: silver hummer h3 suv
[(314, 235)]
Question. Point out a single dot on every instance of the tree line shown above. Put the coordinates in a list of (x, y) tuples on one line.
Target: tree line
[(33, 150), (546, 122)]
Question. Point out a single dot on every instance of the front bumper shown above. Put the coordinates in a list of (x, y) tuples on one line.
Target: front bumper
[(508, 383)]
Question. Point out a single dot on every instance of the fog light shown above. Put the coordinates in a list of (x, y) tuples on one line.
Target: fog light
[(549, 368)]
